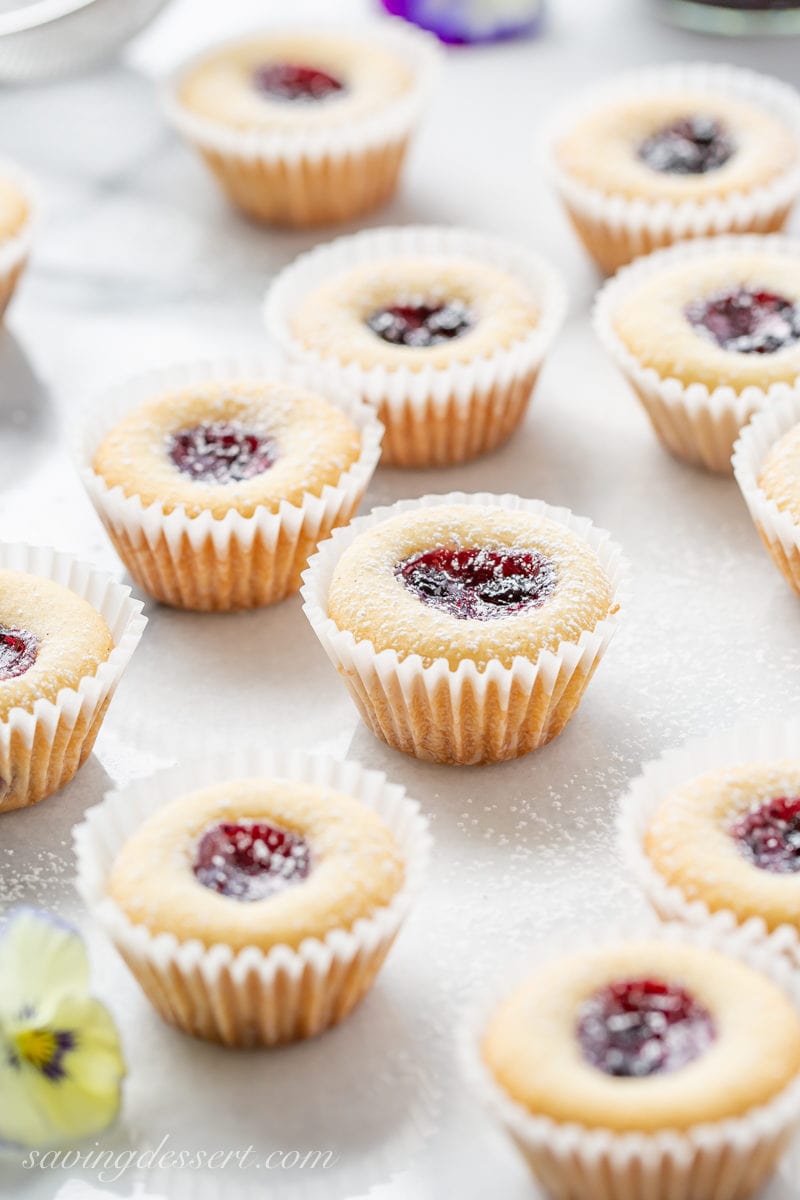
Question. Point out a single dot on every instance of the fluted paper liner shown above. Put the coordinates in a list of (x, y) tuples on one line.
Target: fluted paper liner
[(14, 250), (770, 741), (251, 997), (467, 715), (697, 424), (434, 416), (779, 532), (616, 229), (315, 175), (210, 563), (723, 1160), (41, 748)]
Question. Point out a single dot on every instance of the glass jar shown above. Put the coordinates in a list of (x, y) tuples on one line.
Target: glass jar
[(736, 16)]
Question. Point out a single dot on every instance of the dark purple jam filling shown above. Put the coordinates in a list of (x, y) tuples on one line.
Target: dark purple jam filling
[(18, 649), (250, 860), (421, 325), (642, 1027), (295, 81), (479, 584), (222, 452), (769, 837), (747, 322), (690, 146)]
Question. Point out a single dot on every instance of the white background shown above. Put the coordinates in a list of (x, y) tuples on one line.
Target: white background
[(140, 263)]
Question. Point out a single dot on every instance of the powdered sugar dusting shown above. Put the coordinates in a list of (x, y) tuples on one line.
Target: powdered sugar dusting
[(307, 441), (368, 598), (50, 638)]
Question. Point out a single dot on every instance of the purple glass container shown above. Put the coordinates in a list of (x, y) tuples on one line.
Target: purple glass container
[(465, 22)]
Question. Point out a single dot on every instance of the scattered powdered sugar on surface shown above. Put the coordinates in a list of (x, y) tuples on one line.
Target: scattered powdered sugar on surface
[(39, 874)]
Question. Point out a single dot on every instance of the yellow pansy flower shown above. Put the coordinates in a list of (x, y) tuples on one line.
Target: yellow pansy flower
[(61, 1065)]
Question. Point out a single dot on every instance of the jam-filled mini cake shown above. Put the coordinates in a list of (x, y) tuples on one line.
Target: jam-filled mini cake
[(767, 468), (677, 152), (456, 621), (779, 478), (706, 334), (304, 128), (215, 493), (444, 331), (730, 839), (290, 890), (57, 674), (647, 1037)]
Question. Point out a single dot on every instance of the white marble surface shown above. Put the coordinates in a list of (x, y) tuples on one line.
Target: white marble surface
[(138, 263)]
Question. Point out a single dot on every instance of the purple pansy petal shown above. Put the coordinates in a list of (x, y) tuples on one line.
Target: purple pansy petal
[(468, 21)]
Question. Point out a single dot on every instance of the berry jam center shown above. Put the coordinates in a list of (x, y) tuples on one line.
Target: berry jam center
[(479, 584), (295, 81), (18, 649), (642, 1027), (689, 146), (747, 322), (222, 452), (769, 837), (421, 325), (250, 860)]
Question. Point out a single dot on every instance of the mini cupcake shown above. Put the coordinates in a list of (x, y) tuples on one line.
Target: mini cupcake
[(712, 835), (707, 334), (646, 1068), (444, 331), (301, 127), (215, 482), (18, 209), (676, 152), (66, 635), (258, 909), (766, 463), (466, 628)]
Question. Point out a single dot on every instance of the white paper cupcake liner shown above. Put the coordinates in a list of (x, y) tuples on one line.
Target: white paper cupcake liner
[(251, 997), (218, 564), (467, 715), (779, 532), (14, 251), (315, 175), (42, 748), (769, 741), (433, 416), (724, 1160), (697, 424), (616, 229)]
